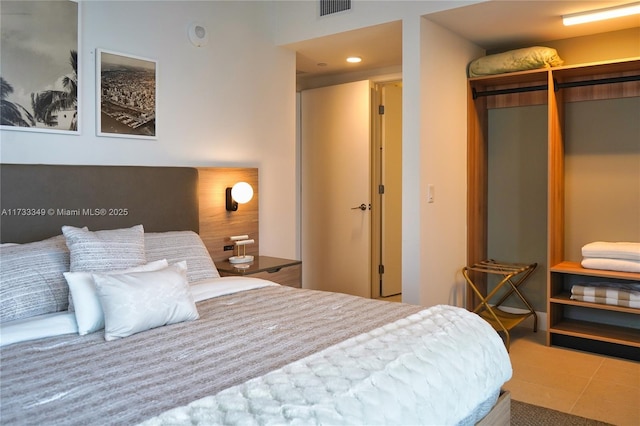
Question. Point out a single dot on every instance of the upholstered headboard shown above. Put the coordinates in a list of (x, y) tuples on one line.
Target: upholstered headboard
[(37, 200)]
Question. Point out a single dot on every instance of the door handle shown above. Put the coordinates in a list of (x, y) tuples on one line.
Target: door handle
[(362, 207)]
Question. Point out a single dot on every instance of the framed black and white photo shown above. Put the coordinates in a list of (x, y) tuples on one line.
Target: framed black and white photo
[(39, 72), (126, 95)]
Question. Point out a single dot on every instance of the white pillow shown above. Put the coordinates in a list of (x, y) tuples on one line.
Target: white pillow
[(141, 301), (83, 293), (82, 280), (103, 251)]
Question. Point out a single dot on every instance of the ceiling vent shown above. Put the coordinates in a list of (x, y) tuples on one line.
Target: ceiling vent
[(327, 7)]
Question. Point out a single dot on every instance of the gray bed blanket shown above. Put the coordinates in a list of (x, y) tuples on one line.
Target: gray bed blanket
[(84, 380)]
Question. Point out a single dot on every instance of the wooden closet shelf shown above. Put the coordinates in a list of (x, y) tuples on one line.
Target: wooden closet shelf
[(565, 299), (576, 269), (597, 331)]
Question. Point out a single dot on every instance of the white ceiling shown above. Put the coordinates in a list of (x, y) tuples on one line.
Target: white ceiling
[(379, 46), (494, 25)]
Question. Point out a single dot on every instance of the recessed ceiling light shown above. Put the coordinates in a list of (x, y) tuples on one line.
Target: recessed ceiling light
[(354, 59), (601, 14)]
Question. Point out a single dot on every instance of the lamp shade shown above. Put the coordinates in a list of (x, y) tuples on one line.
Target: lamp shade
[(242, 192)]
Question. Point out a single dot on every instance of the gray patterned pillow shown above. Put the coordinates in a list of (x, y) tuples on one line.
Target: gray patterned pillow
[(32, 279), (176, 246), (103, 251)]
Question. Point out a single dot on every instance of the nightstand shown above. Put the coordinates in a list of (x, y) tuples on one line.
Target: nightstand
[(282, 271)]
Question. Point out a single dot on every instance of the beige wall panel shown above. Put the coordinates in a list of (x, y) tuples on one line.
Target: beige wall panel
[(602, 174), (517, 194)]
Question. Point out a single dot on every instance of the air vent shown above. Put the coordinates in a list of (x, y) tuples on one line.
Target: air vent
[(327, 7)]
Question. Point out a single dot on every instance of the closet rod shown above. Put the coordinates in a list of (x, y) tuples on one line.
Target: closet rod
[(557, 86), (477, 94), (622, 79)]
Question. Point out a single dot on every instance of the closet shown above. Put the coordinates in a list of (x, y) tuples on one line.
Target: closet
[(600, 328)]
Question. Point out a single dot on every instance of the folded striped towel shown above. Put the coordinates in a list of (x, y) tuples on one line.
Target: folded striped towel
[(605, 301), (612, 250), (624, 285), (606, 295)]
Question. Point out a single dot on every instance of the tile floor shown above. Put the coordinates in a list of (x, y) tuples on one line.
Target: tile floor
[(580, 383)]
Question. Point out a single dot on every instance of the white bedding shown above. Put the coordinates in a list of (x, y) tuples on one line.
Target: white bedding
[(442, 365), (612, 250), (215, 287), (47, 325), (611, 256), (408, 372), (621, 265), (60, 323)]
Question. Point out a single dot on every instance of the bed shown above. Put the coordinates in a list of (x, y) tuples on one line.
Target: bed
[(155, 336)]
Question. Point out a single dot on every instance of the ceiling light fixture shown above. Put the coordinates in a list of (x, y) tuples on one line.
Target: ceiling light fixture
[(354, 59), (601, 14)]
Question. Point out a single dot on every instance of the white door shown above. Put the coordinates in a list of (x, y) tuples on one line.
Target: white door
[(336, 181)]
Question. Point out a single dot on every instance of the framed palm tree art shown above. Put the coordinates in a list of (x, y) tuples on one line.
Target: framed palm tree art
[(126, 95), (39, 71)]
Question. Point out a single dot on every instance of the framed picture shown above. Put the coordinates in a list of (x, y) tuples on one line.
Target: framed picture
[(126, 95), (39, 71)]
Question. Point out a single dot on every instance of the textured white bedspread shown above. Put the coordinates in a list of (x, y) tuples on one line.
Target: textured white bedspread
[(433, 367)]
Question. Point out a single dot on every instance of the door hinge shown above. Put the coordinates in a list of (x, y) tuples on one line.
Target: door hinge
[(381, 269), (380, 189), (381, 109)]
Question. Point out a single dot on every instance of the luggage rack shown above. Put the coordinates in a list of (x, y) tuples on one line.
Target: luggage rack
[(513, 274)]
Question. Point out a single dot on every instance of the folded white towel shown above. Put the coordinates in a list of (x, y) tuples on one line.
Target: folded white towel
[(612, 250), (611, 264)]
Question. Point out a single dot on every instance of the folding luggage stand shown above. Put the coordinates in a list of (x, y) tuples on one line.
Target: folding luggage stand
[(513, 274)]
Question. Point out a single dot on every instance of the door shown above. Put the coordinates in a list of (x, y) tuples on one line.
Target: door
[(336, 181), (387, 238)]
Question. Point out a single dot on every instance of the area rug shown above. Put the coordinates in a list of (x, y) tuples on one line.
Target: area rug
[(523, 414)]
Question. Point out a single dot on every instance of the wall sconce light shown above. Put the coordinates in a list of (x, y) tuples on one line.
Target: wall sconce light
[(240, 193), (602, 14)]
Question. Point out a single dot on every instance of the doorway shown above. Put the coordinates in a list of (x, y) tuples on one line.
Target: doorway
[(351, 188), (387, 178)]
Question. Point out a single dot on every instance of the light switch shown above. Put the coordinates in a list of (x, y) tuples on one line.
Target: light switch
[(430, 193)]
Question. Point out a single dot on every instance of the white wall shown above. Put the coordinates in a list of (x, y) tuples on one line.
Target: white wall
[(434, 237), (443, 160), (411, 168), (434, 135), (299, 20), (434, 129), (231, 103)]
